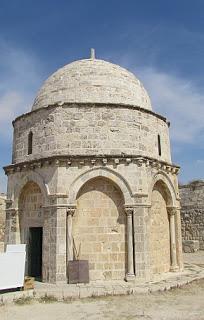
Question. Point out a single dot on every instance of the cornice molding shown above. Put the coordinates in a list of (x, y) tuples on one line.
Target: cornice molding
[(92, 160), (93, 105)]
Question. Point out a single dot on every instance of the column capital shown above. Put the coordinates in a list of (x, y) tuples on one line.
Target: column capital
[(172, 211), (129, 210), (9, 203), (71, 210), (12, 211)]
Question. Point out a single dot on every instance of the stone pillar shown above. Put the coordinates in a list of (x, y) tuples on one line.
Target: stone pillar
[(141, 241), (12, 228), (54, 244), (130, 276), (172, 213), (61, 244), (48, 273)]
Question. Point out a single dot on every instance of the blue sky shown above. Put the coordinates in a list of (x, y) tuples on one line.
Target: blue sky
[(162, 42)]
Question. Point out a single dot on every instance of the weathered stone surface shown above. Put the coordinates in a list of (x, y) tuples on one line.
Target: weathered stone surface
[(192, 212), (159, 236), (94, 177), (90, 130), (92, 81), (99, 229), (190, 246)]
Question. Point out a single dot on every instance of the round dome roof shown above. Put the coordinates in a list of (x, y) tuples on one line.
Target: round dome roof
[(92, 81)]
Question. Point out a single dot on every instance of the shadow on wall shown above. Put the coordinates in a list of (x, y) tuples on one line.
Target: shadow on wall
[(99, 226)]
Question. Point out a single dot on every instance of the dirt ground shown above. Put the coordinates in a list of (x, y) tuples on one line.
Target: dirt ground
[(186, 303), (178, 304)]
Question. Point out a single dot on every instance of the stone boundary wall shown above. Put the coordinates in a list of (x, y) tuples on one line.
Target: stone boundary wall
[(192, 215), (2, 220)]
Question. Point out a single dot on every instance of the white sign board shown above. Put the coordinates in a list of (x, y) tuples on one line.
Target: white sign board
[(12, 267)]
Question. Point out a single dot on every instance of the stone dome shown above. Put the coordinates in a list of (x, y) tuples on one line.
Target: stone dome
[(92, 81)]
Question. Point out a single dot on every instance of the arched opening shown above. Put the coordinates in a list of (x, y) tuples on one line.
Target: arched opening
[(31, 226), (99, 229), (159, 229)]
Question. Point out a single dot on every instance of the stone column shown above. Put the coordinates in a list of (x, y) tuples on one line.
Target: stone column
[(172, 213), (179, 239), (70, 212), (130, 276)]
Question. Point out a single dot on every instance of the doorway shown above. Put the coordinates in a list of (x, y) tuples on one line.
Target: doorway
[(35, 252)]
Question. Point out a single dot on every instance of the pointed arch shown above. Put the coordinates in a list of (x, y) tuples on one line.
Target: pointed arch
[(31, 177), (167, 185), (115, 177)]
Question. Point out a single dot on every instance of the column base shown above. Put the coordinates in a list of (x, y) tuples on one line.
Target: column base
[(130, 277), (174, 268), (61, 282)]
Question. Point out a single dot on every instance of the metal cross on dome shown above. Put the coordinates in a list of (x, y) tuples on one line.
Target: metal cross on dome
[(92, 53)]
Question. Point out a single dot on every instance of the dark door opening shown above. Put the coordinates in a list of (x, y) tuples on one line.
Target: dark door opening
[(35, 252)]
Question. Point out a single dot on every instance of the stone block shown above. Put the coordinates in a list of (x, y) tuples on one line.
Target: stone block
[(190, 246)]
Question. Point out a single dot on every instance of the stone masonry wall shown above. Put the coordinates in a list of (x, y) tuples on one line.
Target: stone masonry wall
[(159, 234), (64, 179), (99, 229), (85, 129), (30, 213), (30, 203), (192, 212)]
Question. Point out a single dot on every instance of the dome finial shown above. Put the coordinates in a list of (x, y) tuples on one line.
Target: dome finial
[(92, 53)]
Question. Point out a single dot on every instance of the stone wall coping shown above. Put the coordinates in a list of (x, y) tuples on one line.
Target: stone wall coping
[(192, 185), (68, 160), (57, 206), (137, 205), (98, 105), (192, 206), (58, 195)]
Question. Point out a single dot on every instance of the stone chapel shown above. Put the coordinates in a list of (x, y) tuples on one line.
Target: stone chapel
[(91, 170)]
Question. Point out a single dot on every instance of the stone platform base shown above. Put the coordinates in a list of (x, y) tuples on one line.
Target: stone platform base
[(68, 292)]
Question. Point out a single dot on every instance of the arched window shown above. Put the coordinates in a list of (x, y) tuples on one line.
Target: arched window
[(30, 142), (159, 144)]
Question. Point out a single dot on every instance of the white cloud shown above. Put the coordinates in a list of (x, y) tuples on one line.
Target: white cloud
[(3, 182), (200, 162), (19, 79), (179, 100)]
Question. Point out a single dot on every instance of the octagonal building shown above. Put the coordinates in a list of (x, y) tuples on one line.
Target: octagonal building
[(92, 179)]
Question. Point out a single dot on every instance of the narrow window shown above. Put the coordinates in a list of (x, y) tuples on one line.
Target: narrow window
[(159, 144), (30, 142)]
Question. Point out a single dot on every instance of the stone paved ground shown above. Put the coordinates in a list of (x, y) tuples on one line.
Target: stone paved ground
[(178, 304), (195, 258), (186, 303)]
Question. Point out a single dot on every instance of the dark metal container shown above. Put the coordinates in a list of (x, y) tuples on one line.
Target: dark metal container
[(78, 271)]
